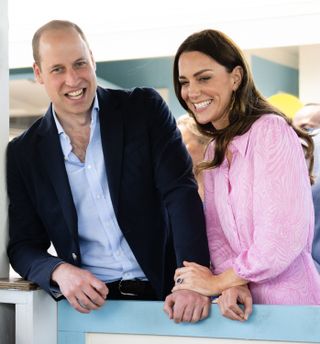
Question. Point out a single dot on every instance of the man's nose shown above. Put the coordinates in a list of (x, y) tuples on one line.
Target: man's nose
[(72, 77)]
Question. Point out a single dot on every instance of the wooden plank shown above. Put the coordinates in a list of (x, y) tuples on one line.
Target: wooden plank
[(17, 284)]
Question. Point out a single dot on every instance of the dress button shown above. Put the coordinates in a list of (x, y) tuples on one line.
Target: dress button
[(74, 256)]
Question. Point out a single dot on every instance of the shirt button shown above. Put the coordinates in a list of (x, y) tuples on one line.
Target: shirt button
[(74, 257), (89, 167), (98, 197)]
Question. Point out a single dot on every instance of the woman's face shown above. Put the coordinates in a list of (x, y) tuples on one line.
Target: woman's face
[(207, 87)]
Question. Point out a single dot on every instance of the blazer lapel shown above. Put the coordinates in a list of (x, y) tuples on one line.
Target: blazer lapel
[(52, 157), (111, 126)]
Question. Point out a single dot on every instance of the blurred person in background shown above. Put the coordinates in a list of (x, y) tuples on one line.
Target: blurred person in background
[(196, 144), (316, 239), (308, 118)]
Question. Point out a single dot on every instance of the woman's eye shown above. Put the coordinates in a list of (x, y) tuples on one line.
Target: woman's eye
[(205, 78)]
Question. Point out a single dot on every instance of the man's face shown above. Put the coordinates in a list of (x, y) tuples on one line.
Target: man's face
[(67, 71)]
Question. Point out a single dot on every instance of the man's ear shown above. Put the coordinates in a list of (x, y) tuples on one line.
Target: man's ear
[(93, 61), (37, 73), (237, 75)]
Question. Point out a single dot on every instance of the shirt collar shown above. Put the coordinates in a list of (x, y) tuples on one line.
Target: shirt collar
[(94, 114), (240, 143)]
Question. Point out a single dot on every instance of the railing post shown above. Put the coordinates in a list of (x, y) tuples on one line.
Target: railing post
[(35, 312), (6, 310)]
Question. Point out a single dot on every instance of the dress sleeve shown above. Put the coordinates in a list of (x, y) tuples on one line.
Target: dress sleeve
[(282, 203)]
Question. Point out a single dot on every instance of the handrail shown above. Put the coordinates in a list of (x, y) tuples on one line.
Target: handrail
[(268, 322)]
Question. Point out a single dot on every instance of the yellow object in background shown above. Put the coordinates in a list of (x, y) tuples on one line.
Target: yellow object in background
[(287, 103)]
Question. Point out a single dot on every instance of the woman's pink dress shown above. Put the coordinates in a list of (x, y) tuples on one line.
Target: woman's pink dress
[(260, 215)]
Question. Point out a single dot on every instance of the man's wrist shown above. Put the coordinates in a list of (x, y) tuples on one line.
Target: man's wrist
[(53, 281)]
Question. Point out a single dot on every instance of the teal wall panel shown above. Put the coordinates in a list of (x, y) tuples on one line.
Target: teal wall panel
[(153, 72), (271, 78)]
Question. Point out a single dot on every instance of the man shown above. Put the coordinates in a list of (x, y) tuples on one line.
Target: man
[(105, 178)]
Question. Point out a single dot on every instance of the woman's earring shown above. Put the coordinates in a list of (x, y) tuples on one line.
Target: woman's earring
[(233, 99)]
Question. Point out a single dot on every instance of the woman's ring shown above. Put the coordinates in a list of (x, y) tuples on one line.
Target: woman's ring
[(179, 280)]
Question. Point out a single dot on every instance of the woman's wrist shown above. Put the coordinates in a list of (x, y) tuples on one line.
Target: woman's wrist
[(216, 285), (226, 280)]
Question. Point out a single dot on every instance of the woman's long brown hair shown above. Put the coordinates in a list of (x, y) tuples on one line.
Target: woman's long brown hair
[(248, 104)]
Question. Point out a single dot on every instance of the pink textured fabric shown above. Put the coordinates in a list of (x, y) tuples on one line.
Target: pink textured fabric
[(260, 216)]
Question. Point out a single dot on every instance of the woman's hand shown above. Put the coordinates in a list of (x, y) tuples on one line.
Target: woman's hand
[(197, 278), (200, 279), (229, 303)]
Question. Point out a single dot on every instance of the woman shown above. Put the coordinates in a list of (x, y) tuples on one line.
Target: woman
[(195, 143), (257, 200)]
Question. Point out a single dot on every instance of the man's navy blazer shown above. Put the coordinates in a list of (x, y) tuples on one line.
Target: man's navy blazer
[(152, 189)]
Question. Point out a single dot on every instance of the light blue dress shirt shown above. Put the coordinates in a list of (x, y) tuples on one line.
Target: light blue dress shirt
[(104, 250)]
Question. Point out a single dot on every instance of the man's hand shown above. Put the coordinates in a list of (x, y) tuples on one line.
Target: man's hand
[(80, 287), (228, 303), (186, 306)]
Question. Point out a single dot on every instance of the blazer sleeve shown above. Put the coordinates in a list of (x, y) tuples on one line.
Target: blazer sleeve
[(176, 184), (28, 239)]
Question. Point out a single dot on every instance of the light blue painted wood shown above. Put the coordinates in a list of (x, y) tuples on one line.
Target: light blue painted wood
[(288, 323), (71, 337)]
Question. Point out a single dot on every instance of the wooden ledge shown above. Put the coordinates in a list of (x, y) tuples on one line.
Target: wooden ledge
[(17, 284)]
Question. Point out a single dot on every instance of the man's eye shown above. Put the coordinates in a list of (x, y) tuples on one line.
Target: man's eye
[(56, 70), (81, 64)]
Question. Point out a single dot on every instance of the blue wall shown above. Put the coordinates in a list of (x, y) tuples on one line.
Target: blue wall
[(271, 78), (153, 72)]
